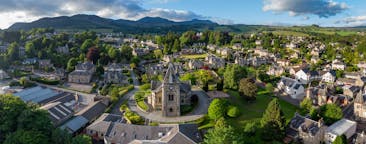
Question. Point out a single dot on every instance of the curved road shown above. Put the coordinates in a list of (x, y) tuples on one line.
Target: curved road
[(136, 84)]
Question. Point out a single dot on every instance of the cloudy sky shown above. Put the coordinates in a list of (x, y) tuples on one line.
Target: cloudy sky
[(266, 12)]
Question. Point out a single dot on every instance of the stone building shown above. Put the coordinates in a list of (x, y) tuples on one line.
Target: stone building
[(305, 130), (83, 73), (113, 74), (360, 106), (169, 95)]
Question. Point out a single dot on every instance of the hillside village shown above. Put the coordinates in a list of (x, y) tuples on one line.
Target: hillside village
[(194, 87)]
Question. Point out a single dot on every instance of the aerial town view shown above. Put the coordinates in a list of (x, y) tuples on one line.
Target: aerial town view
[(183, 72)]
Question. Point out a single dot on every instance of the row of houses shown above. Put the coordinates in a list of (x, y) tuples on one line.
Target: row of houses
[(302, 129)]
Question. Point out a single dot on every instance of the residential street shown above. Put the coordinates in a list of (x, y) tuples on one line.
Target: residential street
[(136, 84)]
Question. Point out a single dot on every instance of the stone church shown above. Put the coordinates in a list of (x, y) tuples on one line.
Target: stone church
[(360, 106), (169, 95)]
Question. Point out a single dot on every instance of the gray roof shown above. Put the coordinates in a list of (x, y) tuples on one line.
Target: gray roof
[(58, 112), (341, 127), (93, 111), (75, 124), (36, 94)]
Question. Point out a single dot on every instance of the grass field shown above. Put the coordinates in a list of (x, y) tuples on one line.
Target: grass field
[(293, 33), (197, 56), (253, 111)]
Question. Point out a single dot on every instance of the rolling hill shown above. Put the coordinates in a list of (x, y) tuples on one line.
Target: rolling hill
[(90, 22)]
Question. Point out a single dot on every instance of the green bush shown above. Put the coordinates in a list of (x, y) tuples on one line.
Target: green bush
[(46, 81), (133, 117), (142, 105), (233, 112), (145, 87)]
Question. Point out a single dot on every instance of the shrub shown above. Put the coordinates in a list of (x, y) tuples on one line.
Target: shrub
[(233, 112)]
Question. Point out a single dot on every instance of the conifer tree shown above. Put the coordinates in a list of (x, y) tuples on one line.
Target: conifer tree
[(273, 122)]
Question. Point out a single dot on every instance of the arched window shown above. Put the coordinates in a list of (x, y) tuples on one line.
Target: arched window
[(171, 110), (171, 97)]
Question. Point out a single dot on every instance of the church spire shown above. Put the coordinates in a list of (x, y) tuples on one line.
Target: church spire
[(359, 97), (170, 75)]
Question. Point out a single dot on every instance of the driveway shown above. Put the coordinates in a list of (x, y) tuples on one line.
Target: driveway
[(130, 94)]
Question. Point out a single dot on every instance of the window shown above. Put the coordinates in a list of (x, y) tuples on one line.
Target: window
[(170, 110), (171, 97)]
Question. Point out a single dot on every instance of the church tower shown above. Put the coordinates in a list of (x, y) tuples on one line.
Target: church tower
[(171, 93)]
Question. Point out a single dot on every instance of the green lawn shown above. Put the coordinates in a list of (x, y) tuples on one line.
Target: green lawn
[(197, 56), (142, 105), (253, 111), (285, 32)]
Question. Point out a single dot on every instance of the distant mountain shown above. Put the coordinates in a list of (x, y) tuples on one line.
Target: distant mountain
[(89, 22)]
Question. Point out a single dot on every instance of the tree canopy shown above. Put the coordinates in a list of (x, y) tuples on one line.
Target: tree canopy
[(217, 109), (273, 122)]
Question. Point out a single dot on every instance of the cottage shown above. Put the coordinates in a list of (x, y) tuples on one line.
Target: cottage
[(63, 49), (258, 42), (338, 65), (140, 51), (215, 62), (45, 63), (195, 64), (113, 74), (283, 62), (305, 130), (342, 127), (155, 69), (212, 47), (83, 73), (291, 87), (318, 95), (237, 46), (224, 52), (261, 52), (114, 129), (328, 76), (275, 70), (306, 76), (352, 75)]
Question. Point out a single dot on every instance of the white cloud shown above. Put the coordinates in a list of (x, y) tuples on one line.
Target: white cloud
[(321, 8), (353, 21)]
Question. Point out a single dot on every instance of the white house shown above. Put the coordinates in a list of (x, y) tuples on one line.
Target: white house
[(329, 76), (291, 87), (305, 76), (342, 127), (338, 65), (258, 42)]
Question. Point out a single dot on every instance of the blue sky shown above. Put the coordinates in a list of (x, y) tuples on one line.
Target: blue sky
[(251, 11), (262, 12)]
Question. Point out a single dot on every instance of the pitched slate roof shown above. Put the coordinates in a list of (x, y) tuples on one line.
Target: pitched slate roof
[(58, 112), (75, 124)]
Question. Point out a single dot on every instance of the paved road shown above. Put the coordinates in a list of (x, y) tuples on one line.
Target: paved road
[(156, 116), (130, 94)]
